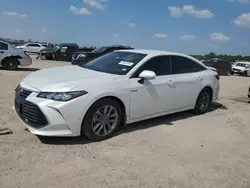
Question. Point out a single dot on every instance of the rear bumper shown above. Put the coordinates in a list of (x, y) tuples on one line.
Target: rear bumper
[(25, 61)]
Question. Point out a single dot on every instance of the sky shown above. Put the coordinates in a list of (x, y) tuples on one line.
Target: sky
[(186, 26)]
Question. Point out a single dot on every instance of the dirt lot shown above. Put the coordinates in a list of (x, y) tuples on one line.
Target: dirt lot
[(181, 150)]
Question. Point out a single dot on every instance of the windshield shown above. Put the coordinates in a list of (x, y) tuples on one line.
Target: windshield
[(115, 62), (100, 50), (243, 65)]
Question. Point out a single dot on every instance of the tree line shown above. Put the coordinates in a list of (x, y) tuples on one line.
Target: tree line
[(230, 58)]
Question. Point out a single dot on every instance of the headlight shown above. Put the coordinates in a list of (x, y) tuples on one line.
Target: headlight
[(82, 55), (61, 96)]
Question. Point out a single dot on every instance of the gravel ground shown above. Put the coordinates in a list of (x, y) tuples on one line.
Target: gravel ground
[(180, 150)]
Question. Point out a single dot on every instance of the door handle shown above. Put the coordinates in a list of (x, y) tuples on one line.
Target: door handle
[(170, 82), (199, 79)]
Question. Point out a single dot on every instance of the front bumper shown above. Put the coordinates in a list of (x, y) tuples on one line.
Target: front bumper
[(63, 118), (25, 61)]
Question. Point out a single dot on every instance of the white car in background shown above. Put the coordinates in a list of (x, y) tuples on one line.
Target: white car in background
[(120, 87), (32, 47), (11, 57), (242, 68)]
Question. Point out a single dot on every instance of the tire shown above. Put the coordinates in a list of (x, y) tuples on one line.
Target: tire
[(244, 73), (203, 102), (95, 124), (232, 73), (10, 63)]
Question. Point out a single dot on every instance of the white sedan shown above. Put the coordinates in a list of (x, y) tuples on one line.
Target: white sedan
[(32, 47), (121, 87)]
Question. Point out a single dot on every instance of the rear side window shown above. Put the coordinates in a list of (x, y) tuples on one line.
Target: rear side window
[(160, 65), (182, 65), (33, 45), (3, 46)]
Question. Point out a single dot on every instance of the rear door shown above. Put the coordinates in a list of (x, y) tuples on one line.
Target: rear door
[(3, 51), (188, 80)]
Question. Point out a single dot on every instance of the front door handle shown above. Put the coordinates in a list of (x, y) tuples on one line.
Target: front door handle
[(199, 79)]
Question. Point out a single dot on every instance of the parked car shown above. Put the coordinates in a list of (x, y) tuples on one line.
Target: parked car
[(61, 52), (223, 67), (31, 47), (242, 68), (249, 92), (85, 57), (11, 57), (120, 87)]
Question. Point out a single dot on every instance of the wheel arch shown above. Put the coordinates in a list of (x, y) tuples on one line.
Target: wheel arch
[(210, 90), (117, 99), (11, 56)]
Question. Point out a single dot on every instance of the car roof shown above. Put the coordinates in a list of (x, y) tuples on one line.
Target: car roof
[(153, 52), (68, 44)]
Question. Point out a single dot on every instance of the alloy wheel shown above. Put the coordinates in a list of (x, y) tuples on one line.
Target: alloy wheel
[(204, 101), (105, 120)]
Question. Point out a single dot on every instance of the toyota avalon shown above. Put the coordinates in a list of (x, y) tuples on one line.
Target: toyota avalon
[(121, 87)]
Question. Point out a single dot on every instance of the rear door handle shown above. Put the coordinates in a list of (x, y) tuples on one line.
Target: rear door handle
[(170, 82)]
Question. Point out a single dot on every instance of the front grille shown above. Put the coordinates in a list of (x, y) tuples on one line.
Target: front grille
[(29, 112)]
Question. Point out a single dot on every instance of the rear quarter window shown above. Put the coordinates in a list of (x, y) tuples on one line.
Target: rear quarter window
[(3, 46)]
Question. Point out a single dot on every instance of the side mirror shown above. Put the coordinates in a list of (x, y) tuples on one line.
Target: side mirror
[(147, 75)]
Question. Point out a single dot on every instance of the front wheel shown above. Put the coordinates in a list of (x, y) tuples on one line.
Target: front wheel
[(244, 73), (203, 102), (102, 120)]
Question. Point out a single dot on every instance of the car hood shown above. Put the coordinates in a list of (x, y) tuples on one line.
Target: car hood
[(212, 68), (62, 79)]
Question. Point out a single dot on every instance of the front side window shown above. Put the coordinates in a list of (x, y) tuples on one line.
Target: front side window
[(115, 62), (33, 45), (3, 46), (63, 49), (182, 65), (160, 65)]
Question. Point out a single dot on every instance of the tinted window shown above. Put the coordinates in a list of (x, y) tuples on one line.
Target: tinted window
[(3, 46), (63, 49), (160, 65), (184, 65), (33, 45), (209, 63), (71, 49), (115, 62)]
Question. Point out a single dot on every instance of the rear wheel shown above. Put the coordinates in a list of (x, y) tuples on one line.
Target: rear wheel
[(102, 120), (203, 101), (244, 73), (10, 63)]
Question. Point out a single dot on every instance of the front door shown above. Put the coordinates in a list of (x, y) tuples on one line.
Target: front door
[(149, 97)]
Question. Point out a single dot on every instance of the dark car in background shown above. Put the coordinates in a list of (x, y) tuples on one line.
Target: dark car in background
[(61, 52), (223, 67), (85, 57)]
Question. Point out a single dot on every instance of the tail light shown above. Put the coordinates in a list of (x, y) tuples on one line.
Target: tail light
[(217, 76)]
